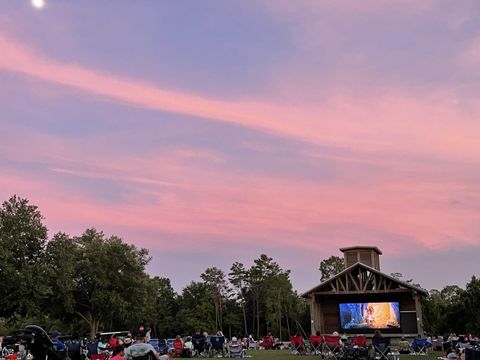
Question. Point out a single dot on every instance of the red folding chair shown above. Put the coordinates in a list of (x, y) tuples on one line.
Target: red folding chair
[(177, 348), (267, 342), (360, 341), (333, 349), (98, 357), (298, 346), (316, 342), (360, 346)]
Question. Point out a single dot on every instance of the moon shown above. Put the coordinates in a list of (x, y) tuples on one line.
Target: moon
[(38, 4)]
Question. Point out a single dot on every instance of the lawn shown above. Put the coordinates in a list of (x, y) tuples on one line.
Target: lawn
[(285, 354)]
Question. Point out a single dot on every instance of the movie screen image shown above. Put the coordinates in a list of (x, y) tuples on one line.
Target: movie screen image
[(381, 315)]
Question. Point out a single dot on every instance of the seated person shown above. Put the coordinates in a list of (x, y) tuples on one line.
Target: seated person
[(235, 347), (429, 341), (113, 342), (208, 344), (277, 344), (378, 334), (140, 349), (404, 346), (188, 344)]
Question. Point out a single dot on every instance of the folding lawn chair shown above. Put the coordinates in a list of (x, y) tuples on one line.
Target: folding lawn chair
[(74, 350), (154, 343), (199, 344), (252, 344), (298, 347), (217, 343), (170, 348), (332, 348), (350, 353), (177, 347), (147, 356), (162, 346), (381, 346), (316, 342), (98, 357), (92, 348), (360, 341), (236, 349), (267, 342), (360, 346), (438, 343), (419, 346)]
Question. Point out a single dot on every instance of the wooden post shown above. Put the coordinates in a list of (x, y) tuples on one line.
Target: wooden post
[(312, 314), (418, 310)]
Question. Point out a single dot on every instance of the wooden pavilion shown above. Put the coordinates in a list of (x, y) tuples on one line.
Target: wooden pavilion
[(363, 282)]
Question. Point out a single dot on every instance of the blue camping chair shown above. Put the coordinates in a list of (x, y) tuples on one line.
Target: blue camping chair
[(381, 346), (419, 346), (217, 343)]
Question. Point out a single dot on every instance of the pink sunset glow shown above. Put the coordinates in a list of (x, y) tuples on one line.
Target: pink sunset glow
[(318, 126)]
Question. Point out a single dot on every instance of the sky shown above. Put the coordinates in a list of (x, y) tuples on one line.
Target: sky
[(214, 131)]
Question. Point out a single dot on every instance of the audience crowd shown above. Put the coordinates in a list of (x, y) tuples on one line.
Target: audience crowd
[(124, 346)]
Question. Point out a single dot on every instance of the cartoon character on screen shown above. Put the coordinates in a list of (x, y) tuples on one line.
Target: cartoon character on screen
[(369, 318)]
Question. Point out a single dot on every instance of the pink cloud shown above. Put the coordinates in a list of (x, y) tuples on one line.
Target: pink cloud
[(171, 192), (392, 122)]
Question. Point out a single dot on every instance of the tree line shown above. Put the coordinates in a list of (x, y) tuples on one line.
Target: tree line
[(92, 282)]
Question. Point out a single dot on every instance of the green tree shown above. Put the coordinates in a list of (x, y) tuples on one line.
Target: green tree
[(163, 307), (472, 305), (238, 279), (452, 294), (23, 237), (110, 283), (331, 267), (61, 256), (270, 296), (445, 311), (195, 309), (218, 289)]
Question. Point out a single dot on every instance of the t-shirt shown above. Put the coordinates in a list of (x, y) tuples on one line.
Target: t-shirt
[(139, 349), (58, 345)]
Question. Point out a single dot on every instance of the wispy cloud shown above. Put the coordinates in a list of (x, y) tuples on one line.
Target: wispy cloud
[(394, 122)]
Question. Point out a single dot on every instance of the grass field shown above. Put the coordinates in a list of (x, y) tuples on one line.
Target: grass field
[(285, 354)]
